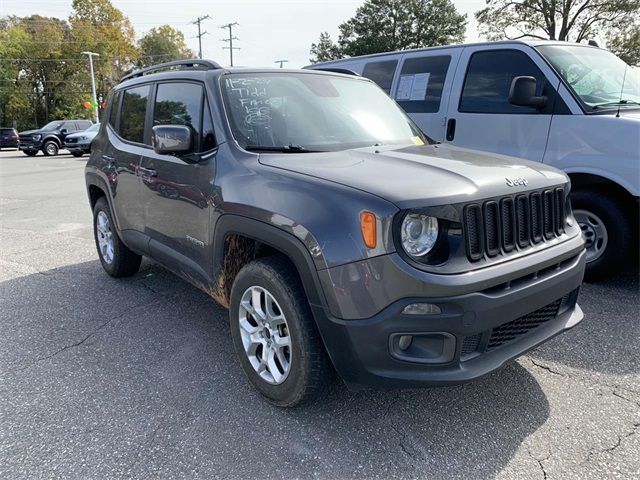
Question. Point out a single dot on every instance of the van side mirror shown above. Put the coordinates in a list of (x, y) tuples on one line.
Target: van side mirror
[(523, 93), (171, 139)]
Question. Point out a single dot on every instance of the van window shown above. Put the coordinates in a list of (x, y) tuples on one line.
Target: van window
[(133, 113), (488, 80), (421, 82), (381, 73), (115, 107), (179, 104)]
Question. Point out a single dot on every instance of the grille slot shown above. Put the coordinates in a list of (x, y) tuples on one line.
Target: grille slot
[(491, 228), (502, 225), (510, 331)]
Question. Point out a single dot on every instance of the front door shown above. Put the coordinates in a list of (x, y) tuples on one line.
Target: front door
[(177, 189), (480, 116)]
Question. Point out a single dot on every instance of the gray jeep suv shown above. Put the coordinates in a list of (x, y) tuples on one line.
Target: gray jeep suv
[(337, 234)]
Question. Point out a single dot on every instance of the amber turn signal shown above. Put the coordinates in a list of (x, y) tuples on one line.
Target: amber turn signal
[(368, 227)]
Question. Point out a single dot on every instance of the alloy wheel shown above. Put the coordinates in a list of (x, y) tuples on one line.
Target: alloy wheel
[(105, 237), (265, 335)]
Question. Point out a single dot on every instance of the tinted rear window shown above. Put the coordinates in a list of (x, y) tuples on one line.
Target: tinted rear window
[(133, 113), (6, 130), (381, 73)]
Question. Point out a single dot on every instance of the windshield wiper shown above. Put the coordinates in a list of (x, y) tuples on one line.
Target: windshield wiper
[(284, 149), (615, 104)]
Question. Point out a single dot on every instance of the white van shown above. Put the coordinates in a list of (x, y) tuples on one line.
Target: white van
[(573, 106)]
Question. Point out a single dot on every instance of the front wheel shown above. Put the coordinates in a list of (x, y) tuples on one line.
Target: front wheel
[(30, 153), (274, 333), (50, 148), (116, 258), (77, 154), (607, 233)]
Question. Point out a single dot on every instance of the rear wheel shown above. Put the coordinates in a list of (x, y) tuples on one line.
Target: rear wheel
[(274, 333), (50, 148), (607, 233), (116, 258)]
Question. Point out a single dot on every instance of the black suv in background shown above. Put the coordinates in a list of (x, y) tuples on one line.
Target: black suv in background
[(50, 138), (8, 138)]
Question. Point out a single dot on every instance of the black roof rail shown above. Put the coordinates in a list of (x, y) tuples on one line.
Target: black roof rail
[(195, 64), (346, 71)]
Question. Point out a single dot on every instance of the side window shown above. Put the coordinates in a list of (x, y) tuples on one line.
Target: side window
[(381, 73), (70, 127), (113, 112), (208, 135), (133, 112), (488, 80), (179, 104), (84, 125), (421, 83)]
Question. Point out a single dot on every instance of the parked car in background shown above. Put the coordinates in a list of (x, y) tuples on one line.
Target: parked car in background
[(573, 106), (331, 227), (8, 138), (50, 138), (80, 143)]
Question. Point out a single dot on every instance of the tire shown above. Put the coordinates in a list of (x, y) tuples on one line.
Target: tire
[(77, 154), (30, 153), (309, 369), (607, 231), (50, 148), (118, 261)]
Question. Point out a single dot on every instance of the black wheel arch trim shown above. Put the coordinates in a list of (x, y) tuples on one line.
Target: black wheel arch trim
[(279, 240), (94, 179)]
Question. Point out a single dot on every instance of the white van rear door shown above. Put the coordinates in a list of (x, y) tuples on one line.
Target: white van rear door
[(479, 113), (422, 87)]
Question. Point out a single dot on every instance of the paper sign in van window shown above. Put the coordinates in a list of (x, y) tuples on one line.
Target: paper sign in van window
[(413, 87)]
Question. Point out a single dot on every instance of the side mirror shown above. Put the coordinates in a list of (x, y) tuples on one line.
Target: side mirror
[(64, 131), (523, 93), (171, 139)]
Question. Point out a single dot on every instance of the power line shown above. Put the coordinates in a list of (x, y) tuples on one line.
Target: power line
[(231, 38), (198, 21)]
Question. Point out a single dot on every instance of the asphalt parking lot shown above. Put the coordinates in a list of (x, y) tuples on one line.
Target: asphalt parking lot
[(137, 378)]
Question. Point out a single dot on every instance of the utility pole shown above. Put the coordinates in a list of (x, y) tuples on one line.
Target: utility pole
[(281, 62), (93, 83), (200, 34), (231, 38)]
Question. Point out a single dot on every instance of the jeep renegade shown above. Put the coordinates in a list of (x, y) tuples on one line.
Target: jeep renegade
[(337, 234)]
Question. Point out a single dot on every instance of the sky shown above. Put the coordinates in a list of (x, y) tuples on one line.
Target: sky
[(267, 30)]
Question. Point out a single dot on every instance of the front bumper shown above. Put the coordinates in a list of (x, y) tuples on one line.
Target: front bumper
[(77, 147), (474, 334), (30, 146)]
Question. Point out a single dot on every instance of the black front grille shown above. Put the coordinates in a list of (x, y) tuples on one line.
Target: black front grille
[(521, 326), (502, 225)]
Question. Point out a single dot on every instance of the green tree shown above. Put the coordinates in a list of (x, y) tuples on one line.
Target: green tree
[(162, 44), (567, 20), (324, 50), (388, 25), (625, 43)]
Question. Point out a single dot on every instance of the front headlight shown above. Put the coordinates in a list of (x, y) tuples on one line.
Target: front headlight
[(82, 138), (418, 234), (36, 137)]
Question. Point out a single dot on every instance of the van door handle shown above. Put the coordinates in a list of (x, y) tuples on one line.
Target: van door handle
[(451, 129), (148, 172)]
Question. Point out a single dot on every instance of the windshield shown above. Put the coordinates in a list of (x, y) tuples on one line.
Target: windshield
[(313, 112), (596, 76), (52, 126)]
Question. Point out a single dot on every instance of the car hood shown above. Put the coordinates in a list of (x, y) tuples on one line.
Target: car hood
[(411, 176), (30, 132)]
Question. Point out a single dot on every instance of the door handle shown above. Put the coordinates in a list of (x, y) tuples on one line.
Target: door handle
[(451, 129), (148, 172)]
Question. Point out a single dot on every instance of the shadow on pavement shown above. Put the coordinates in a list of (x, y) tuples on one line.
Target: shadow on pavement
[(138, 377)]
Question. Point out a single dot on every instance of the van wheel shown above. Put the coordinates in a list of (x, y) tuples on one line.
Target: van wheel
[(50, 148), (606, 231), (274, 333), (116, 258)]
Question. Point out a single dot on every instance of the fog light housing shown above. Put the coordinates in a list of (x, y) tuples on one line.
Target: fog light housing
[(421, 309)]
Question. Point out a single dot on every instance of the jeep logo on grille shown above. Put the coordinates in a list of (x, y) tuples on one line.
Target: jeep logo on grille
[(514, 182)]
